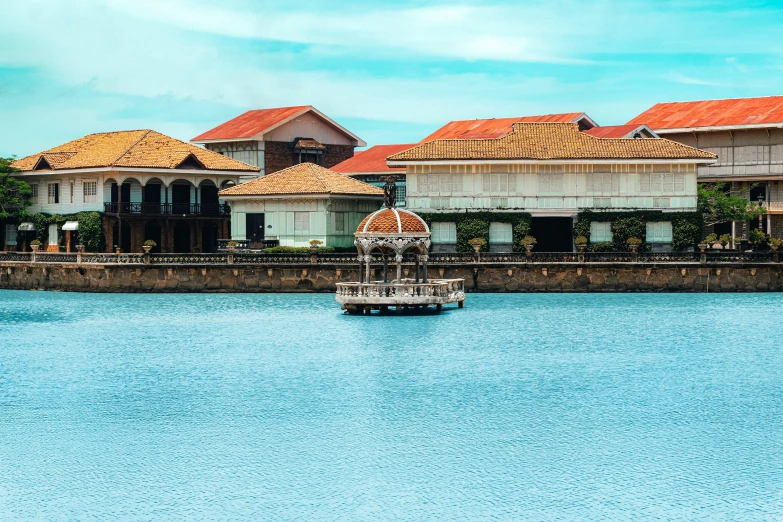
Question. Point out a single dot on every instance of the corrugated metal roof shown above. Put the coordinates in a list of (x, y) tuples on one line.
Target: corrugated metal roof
[(493, 127), (713, 113), (251, 123), (614, 131), (372, 160)]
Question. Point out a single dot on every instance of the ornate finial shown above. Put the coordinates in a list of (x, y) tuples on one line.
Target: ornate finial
[(389, 191)]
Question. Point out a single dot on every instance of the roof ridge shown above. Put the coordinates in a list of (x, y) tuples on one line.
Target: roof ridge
[(318, 173), (722, 99), (118, 158)]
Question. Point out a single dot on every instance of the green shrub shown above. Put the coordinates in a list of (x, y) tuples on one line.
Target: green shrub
[(473, 225), (606, 246), (756, 237), (580, 240), (686, 227)]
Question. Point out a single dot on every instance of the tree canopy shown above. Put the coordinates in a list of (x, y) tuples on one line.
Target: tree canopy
[(719, 205), (14, 193)]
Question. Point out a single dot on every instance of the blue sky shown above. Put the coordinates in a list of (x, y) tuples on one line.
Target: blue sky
[(390, 71)]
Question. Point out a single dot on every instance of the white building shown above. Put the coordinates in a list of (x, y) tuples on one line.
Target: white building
[(552, 171), (299, 204)]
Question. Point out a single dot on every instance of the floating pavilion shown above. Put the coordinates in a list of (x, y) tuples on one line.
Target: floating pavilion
[(393, 232)]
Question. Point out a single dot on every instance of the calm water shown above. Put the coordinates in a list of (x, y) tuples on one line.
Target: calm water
[(276, 407)]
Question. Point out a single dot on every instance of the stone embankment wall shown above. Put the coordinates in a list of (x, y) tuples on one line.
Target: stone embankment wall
[(530, 277)]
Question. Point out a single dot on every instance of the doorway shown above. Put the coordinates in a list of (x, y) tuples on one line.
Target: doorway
[(152, 231), (209, 237), (123, 242), (180, 199), (254, 230), (181, 237), (209, 199), (553, 234)]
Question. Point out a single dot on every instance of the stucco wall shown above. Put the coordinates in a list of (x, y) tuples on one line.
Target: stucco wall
[(279, 214), (535, 277)]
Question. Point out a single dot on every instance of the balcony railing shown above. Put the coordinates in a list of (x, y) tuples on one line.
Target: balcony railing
[(167, 209)]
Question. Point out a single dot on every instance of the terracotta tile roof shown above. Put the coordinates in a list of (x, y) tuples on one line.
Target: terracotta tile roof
[(308, 144), (138, 148), (251, 123), (550, 141), (304, 178), (392, 221), (614, 131), (372, 160), (494, 127), (713, 113)]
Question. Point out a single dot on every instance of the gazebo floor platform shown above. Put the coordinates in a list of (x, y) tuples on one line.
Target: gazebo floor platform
[(405, 294)]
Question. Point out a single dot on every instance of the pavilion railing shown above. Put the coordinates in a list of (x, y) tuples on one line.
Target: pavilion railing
[(407, 288), (349, 258)]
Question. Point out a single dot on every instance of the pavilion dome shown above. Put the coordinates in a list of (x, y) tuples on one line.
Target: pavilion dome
[(389, 221)]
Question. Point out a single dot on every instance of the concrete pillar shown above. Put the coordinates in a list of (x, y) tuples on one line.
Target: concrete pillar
[(398, 259), (385, 268), (424, 259), (367, 261)]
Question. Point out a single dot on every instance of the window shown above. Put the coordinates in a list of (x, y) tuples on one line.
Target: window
[(423, 184), (90, 191), (301, 222), (401, 189), (550, 184), (339, 221), (600, 232), (54, 193), (10, 235), (659, 232), (603, 183), (34, 195), (662, 183), (500, 233), (444, 232)]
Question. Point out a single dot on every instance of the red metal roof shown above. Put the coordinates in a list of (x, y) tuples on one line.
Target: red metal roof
[(251, 123), (612, 131), (493, 127), (372, 160), (713, 113)]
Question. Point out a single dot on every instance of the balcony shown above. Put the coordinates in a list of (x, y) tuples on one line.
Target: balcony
[(167, 209)]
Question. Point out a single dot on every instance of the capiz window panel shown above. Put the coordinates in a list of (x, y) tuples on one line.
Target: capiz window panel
[(600, 232), (444, 232), (301, 222), (659, 232), (500, 233)]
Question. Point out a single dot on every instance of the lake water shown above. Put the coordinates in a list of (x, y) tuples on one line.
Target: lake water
[(277, 407)]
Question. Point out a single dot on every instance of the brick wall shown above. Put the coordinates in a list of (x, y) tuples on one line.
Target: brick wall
[(279, 155), (335, 154)]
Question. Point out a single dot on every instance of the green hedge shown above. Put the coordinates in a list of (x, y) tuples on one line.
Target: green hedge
[(90, 228), (686, 227), (476, 224)]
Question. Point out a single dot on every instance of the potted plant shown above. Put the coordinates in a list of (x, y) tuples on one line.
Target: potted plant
[(774, 243), (711, 239), (147, 246), (724, 240), (80, 248), (477, 243), (315, 244), (35, 244), (231, 246), (528, 242), (737, 242), (756, 238), (634, 243), (581, 243)]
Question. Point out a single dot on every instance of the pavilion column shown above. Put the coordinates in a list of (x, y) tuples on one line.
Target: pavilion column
[(398, 258), (424, 259), (385, 268), (361, 272), (367, 261), (417, 267)]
